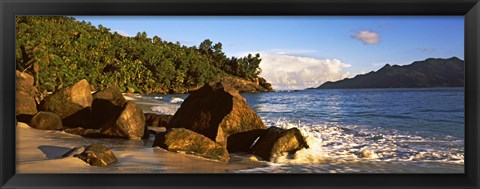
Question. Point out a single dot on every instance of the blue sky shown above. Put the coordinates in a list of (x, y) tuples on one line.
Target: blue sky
[(301, 51)]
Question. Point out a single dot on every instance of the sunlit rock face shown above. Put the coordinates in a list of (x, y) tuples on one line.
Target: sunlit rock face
[(180, 139), (130, 123), (46, 121), (216, 111), (97, 155), (68, 101), (25, 94), (277, 141)]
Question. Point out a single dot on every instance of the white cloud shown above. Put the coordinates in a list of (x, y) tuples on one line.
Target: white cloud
[(287, 72), (367, 37)]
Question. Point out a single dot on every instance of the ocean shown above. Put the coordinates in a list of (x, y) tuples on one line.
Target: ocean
[(348, 131)]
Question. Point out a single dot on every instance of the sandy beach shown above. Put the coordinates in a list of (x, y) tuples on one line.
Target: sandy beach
[(40, 151)]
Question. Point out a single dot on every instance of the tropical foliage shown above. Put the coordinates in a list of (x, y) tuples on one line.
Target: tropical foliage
[(60, 51)]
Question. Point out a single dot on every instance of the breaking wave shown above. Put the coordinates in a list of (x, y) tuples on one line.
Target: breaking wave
[(336, 143)]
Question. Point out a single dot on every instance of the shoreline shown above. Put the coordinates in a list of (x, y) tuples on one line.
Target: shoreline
[(140, 157), (137, 157), (39, 149)]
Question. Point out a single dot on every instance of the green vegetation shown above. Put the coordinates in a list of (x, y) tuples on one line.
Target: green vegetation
[(60, 51)]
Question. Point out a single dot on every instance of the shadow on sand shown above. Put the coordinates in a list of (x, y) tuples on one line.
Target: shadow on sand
[(54, 152)]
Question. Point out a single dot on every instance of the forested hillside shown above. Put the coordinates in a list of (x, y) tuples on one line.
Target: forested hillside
[(60, 51)]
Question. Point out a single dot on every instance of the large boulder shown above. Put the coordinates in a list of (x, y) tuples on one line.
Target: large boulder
[(129, 124), (107, 106), (216, 111), (97, 155), (23, 82), (24, 118), (81, 118), (244, 141), (103, 114), (46, 121), (110, 115), (112, 94), (276, 141), (25, 104), (68, 101), (184, 140), (25, 94), (157, 120)]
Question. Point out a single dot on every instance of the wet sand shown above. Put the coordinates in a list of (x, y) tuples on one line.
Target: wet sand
[(40, 151)]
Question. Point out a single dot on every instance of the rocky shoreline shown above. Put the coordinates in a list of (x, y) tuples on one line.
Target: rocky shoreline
[(242, 85), (211, 122)]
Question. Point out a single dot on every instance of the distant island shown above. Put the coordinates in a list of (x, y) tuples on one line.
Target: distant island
[(432, 72)]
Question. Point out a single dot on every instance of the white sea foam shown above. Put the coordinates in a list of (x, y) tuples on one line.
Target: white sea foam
[(315, 152), (153, 97), (176, 100), (35, 146), (352, 144), (165, 109)]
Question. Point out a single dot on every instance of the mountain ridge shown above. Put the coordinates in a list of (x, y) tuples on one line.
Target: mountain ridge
[(431, 72)]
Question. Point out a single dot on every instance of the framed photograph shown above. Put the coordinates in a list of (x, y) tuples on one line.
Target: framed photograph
[(239, 94)]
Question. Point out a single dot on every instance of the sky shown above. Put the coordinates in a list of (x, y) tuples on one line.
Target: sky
[(299, 52)]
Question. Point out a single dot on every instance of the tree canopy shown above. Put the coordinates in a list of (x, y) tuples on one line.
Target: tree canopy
[(60, 51)]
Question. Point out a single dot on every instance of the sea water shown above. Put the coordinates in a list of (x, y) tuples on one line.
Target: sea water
[(348, 131), (403, 126)]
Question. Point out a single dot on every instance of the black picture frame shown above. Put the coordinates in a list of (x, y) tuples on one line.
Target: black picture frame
[(10, 8)]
